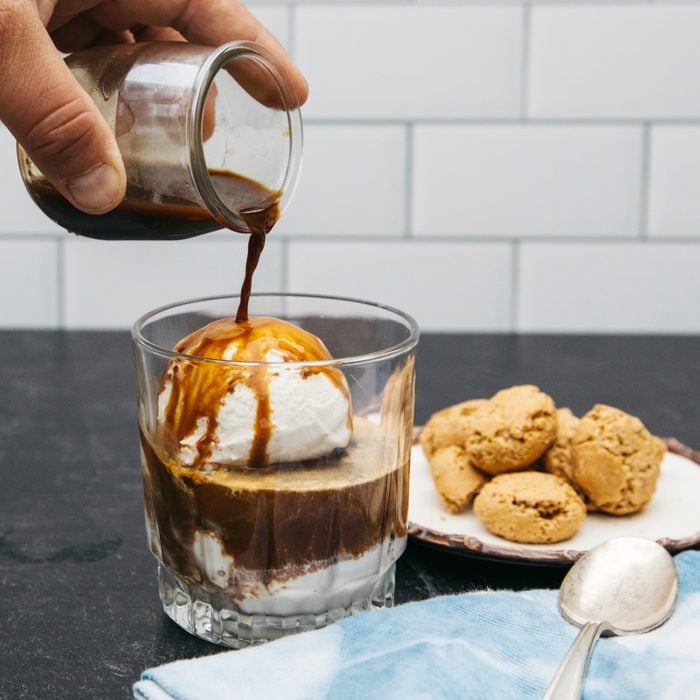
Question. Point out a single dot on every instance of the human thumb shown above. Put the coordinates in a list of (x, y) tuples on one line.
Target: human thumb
[(52, 117)]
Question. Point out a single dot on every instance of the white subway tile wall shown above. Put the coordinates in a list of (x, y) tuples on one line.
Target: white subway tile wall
[(608, 287), (277, 20), (486, 165), (353, 182), (674, 202), (448, 285), (615, 61), (109, 285), (403, 62), (527, 180), (29, 283)]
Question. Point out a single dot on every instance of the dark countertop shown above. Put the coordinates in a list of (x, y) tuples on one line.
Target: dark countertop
[(79, 610)]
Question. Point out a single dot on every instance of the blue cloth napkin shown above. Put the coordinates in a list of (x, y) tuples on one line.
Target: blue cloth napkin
[(491, 644)]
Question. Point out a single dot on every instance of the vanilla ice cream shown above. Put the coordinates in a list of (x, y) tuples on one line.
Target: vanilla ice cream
[(251, 415)]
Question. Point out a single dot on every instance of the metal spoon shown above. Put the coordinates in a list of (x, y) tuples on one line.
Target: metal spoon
[(626, 585)]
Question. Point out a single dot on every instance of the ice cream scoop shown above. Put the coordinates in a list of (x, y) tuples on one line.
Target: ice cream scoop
[(257, 405)]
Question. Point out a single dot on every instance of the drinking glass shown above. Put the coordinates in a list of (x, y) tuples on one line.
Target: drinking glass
[(251, 553)]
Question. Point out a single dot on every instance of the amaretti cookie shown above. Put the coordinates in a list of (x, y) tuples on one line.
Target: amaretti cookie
[(511, 431), (616, 461), (448, 427), (456, 481), (530, 507), (559, 458)]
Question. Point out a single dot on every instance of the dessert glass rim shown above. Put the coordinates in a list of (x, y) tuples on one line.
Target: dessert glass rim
[(396, 349)]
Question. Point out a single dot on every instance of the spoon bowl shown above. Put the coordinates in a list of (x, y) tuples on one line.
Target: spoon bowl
[(627, 585)]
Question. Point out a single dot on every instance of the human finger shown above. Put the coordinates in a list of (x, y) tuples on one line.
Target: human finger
[(79, 33), (170, 34), (83, 31), (156, 34), (209, 22), (56, 13), (52, 117)]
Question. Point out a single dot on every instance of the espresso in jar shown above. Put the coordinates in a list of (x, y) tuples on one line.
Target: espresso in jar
[(139, 217)]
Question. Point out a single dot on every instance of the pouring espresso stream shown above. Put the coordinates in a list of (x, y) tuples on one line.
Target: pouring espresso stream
[(140, 217)]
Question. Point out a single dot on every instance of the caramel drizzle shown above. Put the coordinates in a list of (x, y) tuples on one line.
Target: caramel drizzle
[(260, 384), (200, 386)]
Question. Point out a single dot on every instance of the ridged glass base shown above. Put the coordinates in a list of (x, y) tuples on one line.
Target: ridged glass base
[(214, 615)]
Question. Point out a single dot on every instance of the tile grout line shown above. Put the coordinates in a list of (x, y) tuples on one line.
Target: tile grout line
[(284, 265), (448, 238), (408, 184), (291, 29), (55, 237), (503, 120), (645, 184), (61, 282), (457, 3), (525, 62), (515, 282)]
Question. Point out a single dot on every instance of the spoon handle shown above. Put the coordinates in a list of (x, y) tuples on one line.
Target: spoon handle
[(567, 684)]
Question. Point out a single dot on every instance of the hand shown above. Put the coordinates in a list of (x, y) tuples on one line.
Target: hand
[(53, 118)]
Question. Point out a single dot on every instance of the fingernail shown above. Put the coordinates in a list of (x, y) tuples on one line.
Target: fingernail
[(98, 190)]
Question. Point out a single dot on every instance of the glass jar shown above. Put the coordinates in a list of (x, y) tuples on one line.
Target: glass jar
[(210, 138)]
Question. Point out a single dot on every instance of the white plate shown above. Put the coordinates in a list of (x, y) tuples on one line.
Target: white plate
[(672, 518)]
